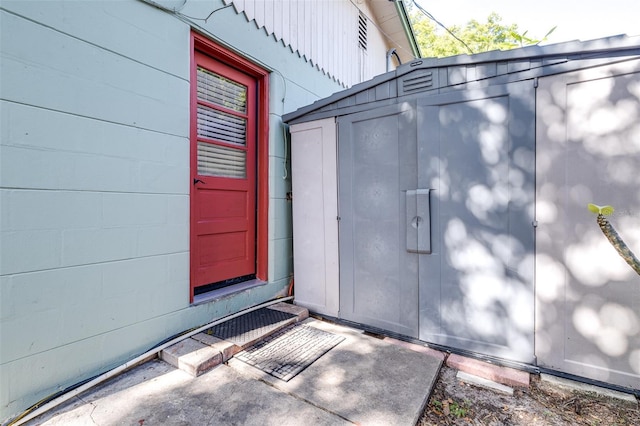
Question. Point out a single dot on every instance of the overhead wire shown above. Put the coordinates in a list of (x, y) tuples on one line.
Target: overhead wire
[(207, 18), (190, 19), (434, 19)]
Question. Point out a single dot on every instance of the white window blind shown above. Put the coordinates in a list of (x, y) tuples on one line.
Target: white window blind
[(216, 125), (221, 91), (217, 160), (221, 126)]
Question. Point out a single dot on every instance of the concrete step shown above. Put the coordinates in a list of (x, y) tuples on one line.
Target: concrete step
[(484, 383), (202, 352)]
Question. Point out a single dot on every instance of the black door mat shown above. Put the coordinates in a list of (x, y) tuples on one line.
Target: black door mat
[(289, 351), (249, 327)]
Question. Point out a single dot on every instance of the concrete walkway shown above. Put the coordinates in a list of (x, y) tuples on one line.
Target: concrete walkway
[(363, 380)]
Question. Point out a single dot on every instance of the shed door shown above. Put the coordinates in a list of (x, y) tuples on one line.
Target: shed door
[(588, 298), (476, 155), (377, 166), (436, 209), (223, 205)]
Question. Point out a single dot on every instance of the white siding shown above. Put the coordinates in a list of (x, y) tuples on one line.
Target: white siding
[(324, 32)]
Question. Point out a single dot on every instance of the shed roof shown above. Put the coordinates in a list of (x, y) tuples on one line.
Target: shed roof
[(438, 75)]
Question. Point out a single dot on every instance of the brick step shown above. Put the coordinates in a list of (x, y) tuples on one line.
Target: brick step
[(202, 352), (503, 375)]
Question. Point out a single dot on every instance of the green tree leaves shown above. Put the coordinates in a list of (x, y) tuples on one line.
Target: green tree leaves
[(474, 37), (604, 210)]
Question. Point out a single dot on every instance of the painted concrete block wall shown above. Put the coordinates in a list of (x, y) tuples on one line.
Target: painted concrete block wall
[(94, 191), (94, 183)]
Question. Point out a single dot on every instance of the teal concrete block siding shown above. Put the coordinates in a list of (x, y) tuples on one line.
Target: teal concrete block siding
[(94, 183)]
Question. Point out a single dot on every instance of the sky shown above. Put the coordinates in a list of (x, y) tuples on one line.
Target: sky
[(575, 19)]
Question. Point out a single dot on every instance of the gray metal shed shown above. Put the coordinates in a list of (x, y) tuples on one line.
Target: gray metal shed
[(446, 201)]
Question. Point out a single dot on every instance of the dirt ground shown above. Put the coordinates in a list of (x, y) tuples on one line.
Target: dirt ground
[(455, 403)]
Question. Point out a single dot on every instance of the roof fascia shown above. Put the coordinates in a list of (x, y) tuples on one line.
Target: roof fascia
[(408, 28)]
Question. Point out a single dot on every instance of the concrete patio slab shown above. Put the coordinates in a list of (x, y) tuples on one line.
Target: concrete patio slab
[(157, 393), (363, 380)]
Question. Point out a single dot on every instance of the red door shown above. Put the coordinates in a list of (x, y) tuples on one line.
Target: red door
[(223, 172)]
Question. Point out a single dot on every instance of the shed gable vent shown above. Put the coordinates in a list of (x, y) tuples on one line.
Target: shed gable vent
[(416, 82), (362, 31)]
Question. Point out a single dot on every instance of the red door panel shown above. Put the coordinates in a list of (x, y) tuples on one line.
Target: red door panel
[(223, 172)]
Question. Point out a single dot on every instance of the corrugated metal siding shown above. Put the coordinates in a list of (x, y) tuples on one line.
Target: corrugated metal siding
[(323, 32)]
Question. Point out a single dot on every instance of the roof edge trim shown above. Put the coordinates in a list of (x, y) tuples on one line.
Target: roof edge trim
[(408, 28)]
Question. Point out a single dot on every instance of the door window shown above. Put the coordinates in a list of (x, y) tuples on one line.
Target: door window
[(221, 126)]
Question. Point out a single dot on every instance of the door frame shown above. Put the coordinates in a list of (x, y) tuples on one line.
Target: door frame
[(206, 46)]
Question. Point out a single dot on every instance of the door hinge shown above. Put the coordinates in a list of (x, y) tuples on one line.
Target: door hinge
[(535, 82), (534, 223)]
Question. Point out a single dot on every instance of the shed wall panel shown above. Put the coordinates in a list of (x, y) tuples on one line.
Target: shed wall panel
[(477, 284), (377, 166), (588, 297), (315, 211)]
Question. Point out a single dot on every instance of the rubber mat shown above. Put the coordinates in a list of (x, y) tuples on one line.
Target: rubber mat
[(289, 351), (251, 326)]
